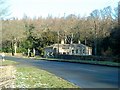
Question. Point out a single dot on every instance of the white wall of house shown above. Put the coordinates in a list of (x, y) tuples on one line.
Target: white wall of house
[(71, 50)]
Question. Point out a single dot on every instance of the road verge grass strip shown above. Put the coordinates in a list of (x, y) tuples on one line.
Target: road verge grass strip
[(8, 62), (32, 77), (105, 63)]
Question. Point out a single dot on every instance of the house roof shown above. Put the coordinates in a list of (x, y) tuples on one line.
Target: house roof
[(66, 45)]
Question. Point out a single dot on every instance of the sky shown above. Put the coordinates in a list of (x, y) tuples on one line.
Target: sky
[(56, 8)]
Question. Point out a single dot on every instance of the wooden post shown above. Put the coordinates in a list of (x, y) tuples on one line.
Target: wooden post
[(58, 41), (12, 47)]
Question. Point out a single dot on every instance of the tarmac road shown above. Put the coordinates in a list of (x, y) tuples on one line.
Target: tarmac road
[(83, 75)]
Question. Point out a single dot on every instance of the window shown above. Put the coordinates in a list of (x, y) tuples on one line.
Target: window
[(72, 51), (64, 52), (83, 51), (80, 51), (55, 50), (76, 51)]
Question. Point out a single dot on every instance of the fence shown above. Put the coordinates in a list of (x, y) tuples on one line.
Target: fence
[(7, 76)]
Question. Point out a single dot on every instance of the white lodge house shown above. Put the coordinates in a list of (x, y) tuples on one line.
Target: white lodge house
[(69, 49)]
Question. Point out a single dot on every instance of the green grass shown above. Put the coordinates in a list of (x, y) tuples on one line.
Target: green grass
[(8, 62), (32, 77)]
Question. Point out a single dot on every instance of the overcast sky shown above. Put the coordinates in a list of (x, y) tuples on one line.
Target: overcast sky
[(57, 7)]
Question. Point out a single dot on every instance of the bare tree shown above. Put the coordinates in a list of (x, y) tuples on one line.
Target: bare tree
[(3, 9)]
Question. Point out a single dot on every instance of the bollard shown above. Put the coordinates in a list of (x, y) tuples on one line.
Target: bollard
[(3, 56)]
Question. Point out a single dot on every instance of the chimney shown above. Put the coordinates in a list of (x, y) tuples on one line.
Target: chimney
[(62, 41)]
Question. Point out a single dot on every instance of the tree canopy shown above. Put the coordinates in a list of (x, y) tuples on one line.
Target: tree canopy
[(99, 30)]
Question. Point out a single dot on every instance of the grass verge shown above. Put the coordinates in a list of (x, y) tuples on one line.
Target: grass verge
[(107, 63), (32, 77), (8, 62)]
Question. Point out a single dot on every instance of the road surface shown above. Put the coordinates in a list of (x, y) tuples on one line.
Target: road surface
[(83, 75)]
